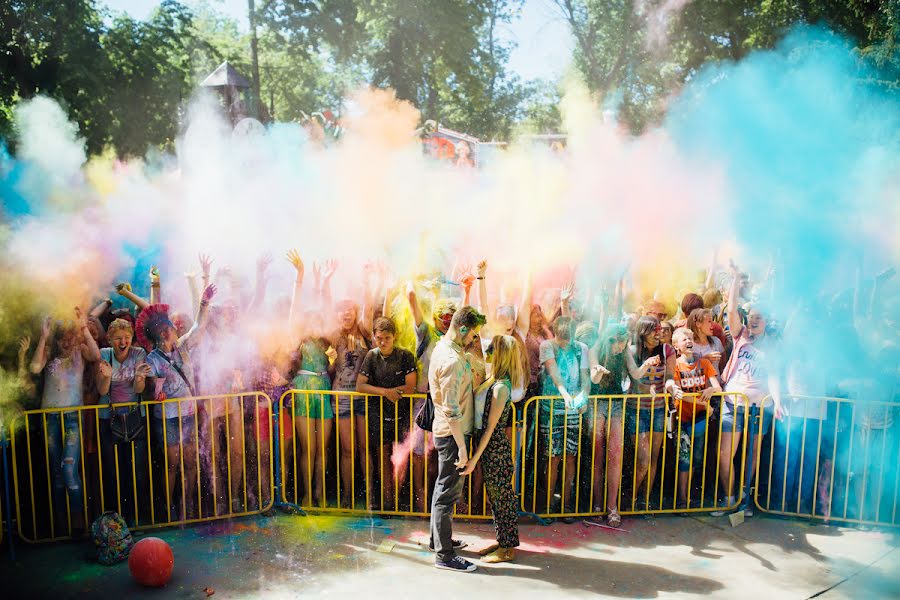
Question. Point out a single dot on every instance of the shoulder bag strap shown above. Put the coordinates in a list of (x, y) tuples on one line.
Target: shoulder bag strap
[(177, 369)]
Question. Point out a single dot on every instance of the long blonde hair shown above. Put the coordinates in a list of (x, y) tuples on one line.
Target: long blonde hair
[(506, 362)]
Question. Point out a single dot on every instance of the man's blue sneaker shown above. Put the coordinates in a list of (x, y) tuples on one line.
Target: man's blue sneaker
[(457, 563)]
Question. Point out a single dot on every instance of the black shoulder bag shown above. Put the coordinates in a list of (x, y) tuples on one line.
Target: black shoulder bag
[(125, 427), (425, 416)]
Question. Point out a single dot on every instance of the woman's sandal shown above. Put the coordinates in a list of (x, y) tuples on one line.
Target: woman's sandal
[(613, 519), (500, 555), (489, 549)]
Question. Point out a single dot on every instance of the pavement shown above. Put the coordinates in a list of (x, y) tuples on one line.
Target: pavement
[(289, 556)]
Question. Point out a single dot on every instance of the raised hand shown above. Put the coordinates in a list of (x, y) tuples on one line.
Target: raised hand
[(482, 268), (461, 271), (208, 294), (46, 326), (294, 258), (105, 369), (154, 275), (142, 371), (122, 288), (223, 273), (567, 291), (205, 264), (24, 345), (328, 268), (263, 262), (80, 319)]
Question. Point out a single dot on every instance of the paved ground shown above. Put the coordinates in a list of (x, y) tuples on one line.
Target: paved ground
[(665, 557)]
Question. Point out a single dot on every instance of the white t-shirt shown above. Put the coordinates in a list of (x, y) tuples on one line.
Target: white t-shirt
[(714, 345)]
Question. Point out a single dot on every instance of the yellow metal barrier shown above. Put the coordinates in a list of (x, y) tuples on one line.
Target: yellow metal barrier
[(584, 456), (369, 458), (832, 459), (67, 469)]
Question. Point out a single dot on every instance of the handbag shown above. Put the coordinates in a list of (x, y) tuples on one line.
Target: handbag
[(425, 416), (126, 427)]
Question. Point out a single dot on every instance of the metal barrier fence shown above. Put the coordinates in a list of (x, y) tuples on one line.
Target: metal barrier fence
[(584, 455), (207, 459), (350, 453), (370, 458), (833, 459), (4, 493)]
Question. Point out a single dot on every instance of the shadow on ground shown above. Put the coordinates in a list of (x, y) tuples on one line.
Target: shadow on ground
[(293, 556)]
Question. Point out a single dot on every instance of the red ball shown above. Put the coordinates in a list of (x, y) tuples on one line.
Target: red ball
[(151, 561)]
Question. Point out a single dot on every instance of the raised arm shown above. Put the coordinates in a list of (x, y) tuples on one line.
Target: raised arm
[(155, 294), (100, 310), (604, 310), (41, 352), (466, 281), (124, 290), (23, 372), (294, 258), (24, 345), (615, 308), (370, 291), (565, 297), (329, 268), (259, 292), (414, 304), (524, 317), (735, 325), (387, 305), (711, 271), (482, 291), (194, 291), (202, 317), (89, 350)]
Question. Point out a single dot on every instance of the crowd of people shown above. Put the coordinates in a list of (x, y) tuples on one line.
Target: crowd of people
[(355, 378)]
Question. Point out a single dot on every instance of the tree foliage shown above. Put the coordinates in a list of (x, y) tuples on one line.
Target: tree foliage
[(125, 81), (636, 53)]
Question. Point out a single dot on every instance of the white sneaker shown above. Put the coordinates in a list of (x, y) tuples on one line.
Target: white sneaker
[(723, 504)]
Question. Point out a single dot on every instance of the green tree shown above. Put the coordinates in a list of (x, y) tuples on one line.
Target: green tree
[(151, 77), (540, 110), (488, 101), (619, 55), (54, 48)]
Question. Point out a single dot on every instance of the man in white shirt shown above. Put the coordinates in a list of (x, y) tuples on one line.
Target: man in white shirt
[(450, 381)]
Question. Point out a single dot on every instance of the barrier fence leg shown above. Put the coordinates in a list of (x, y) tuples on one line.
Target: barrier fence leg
[(276, 450), (529, 444), (7, 506)]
